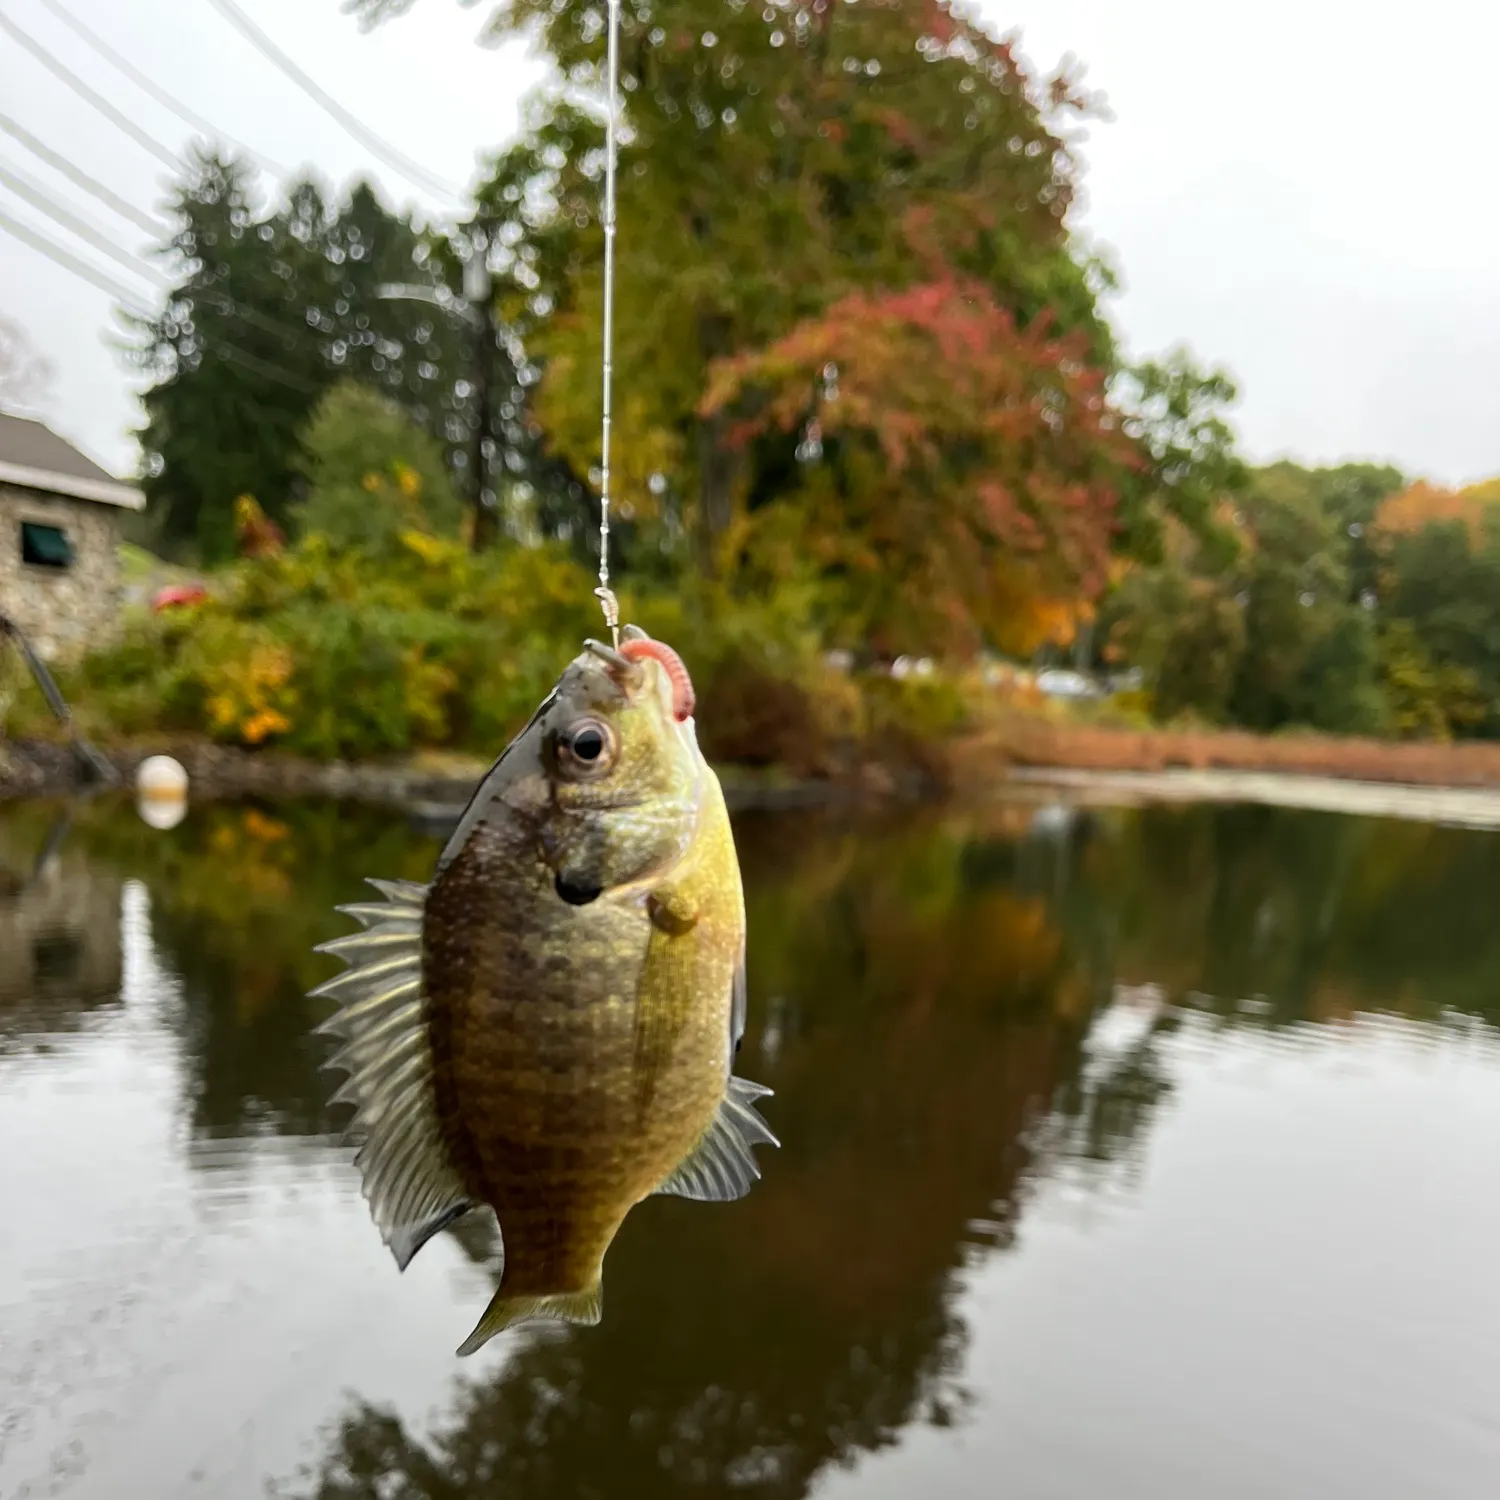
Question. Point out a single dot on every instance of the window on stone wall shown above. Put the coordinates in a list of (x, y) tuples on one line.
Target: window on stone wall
[(45, 546)]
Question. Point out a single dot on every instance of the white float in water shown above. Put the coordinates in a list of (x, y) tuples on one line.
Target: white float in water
[(161, 785), (160, 813), (160, 778)]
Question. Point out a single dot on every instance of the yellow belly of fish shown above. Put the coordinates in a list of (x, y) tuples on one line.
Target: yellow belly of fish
[(569, 1127)]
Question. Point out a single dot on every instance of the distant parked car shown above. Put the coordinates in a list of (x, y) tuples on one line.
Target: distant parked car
[(911, 666), (179, 596), (1058, 683)]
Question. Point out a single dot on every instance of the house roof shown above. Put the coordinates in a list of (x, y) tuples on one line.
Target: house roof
[(35, 458)]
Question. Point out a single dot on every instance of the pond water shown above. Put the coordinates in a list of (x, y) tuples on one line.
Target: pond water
[(1127, 1153)]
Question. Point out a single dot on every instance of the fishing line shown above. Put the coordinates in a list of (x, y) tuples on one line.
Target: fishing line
[(604, 593)]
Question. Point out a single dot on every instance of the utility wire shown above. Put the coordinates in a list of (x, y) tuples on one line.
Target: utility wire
[(149, 85), (221, 302), (80, 178), (39, 198), (290, 334), (132, 303), (260, 367), (398, 160), (89, 95), (69, 262), (212, 296), (25, 189)]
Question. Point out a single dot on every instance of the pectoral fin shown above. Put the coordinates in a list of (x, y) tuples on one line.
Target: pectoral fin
[(722, 1167)]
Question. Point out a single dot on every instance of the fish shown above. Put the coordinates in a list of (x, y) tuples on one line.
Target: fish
[(547, 1029)]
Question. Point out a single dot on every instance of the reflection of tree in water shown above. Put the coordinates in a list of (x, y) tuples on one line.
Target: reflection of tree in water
[(1313, 915), (240, 896), (921, 995), (914, 1023)]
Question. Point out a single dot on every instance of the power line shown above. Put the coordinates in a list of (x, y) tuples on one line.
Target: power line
[(70, 262), (289, 334), (398, 160), (37, 198), (260, 367), (132, 304), (149, 85), (80, 178), (89, 95), (225, 304)]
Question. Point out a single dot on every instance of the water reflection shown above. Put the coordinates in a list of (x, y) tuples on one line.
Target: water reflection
[(59, 932), (954, 1012)]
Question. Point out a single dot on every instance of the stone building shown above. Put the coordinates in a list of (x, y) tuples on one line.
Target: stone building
[(59, 530)]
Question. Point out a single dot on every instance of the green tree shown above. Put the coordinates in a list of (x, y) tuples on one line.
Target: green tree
[(1427, 699), (1309, 656), (274, 306), (1349, 495), (1175, 411), (1447, 588), (1185, 634), (1267, 640), (373, 474), (236, 372)]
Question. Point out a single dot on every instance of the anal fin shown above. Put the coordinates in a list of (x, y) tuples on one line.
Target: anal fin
[(722, 1167), (583, 1308), (405, 1240)]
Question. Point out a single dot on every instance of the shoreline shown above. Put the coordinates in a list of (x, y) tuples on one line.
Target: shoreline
[(1455, 806), (1449, 781), (432, 787), (1033, 743)]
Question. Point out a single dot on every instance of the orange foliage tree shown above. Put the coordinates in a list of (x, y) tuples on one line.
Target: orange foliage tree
[(959, 472), (1423, 504)]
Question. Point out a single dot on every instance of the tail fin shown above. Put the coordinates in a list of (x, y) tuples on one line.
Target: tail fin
[(584, 1308)]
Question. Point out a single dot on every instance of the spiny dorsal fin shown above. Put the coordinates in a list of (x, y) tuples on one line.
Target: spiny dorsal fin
[(408, 1180), (721, 1167)]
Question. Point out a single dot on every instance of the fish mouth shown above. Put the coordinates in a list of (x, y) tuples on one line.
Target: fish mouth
[(614, 804)]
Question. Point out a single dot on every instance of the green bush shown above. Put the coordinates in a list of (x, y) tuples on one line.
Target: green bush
[(332, 654), (339, 653), (373, 474)]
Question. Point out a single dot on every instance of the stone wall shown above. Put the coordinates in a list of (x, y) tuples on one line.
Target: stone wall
[(63, 611)]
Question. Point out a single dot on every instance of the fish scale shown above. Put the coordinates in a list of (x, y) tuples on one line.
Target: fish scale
[(547, 1030)]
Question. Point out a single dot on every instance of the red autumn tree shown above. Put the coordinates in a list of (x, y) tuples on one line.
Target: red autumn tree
[(958, 473)]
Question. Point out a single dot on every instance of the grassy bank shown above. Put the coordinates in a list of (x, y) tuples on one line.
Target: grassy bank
[(975, 756), (1036, 741)]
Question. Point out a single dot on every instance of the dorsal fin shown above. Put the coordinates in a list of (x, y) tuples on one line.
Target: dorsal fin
[(411, 1186)]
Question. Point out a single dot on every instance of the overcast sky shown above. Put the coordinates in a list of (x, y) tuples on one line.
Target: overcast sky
[(1302, 191)]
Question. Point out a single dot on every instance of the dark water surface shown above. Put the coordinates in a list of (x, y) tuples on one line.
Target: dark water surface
[(1127, 1154)]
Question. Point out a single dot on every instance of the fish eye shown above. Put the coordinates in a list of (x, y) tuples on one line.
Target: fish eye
[(587, 747), (588, 744)]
